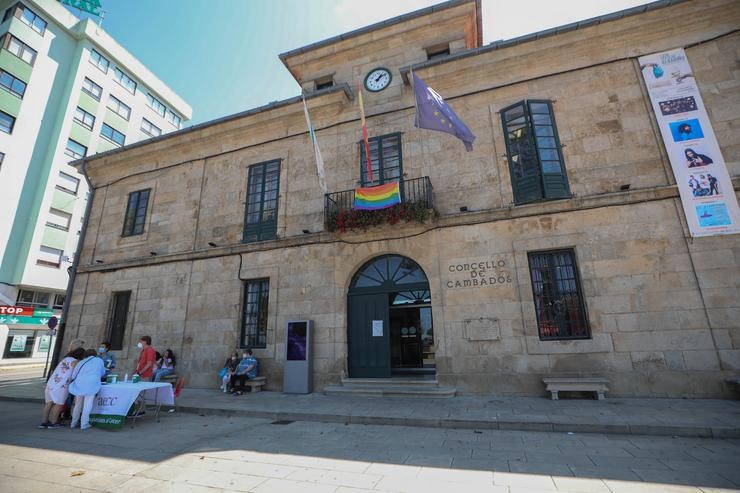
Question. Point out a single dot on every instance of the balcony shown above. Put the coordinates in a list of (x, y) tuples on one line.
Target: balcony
[(417, 204)]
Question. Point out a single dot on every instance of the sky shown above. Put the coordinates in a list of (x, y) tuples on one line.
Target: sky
[(222, 56)]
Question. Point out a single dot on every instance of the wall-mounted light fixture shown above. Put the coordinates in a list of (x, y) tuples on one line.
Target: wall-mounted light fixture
[(464, 208), (306, 232), (212, 244), (625, 187)]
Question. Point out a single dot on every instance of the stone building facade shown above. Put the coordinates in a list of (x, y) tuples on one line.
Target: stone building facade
[(642, 302)]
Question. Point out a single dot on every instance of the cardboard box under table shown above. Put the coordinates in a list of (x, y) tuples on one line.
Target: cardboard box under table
[(114, 400)]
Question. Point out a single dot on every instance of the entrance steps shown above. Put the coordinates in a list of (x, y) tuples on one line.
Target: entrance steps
[(391, 387)]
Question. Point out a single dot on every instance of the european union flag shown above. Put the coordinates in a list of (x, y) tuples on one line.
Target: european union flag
[(433, 113)]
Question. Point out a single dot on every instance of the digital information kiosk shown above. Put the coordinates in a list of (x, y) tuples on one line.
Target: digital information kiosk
[(298, 370)]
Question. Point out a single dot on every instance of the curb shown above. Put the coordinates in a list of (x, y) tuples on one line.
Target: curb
[(447, 423)]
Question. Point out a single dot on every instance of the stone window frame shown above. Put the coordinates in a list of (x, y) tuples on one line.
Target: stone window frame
[(128, 333), (244, 336), (115, 344), (578, 290), (379, 175), (550, 186), (136, 195), (259, 227), (143, 237)]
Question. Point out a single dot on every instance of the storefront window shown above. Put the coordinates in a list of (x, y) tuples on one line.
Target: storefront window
[(19, 344)]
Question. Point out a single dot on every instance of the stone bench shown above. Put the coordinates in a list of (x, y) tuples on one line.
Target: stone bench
[(256, 384), (576, 384), (171, 378)]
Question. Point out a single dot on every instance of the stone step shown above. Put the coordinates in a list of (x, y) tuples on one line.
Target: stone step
[(391, 391), (396, 382)]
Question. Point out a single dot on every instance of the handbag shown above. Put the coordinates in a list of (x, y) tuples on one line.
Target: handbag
[(222, 372)]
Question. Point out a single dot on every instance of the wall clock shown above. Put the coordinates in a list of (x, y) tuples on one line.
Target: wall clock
[(378, 79)]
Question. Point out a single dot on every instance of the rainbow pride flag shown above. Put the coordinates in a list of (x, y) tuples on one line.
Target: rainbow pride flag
[(380, 197)]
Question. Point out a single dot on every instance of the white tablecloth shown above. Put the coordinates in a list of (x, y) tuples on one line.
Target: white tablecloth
[(114, 400)]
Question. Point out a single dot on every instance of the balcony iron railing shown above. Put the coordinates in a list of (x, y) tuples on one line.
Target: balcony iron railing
[(414, 191)]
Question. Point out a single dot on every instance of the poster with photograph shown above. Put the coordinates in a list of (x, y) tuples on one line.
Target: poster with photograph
[(704, 184)]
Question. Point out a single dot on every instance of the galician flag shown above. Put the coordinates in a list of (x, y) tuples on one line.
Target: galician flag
[(433, 113), (364, 133), (316, 150)]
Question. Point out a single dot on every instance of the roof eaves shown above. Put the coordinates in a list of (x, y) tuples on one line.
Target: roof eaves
[(496, 45)]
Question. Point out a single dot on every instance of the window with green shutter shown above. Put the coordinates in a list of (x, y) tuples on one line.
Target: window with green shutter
[(385, 158), (254, 314), (534, 152), (263, 187)]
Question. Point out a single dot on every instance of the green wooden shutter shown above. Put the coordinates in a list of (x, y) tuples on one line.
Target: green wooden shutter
[(263, 188), (524, 166), (549, 152), (386, 159)]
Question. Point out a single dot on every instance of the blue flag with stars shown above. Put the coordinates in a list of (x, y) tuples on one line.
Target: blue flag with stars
[(433, 113)]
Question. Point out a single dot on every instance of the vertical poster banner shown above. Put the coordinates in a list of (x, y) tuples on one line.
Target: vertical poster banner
[(704, 184)]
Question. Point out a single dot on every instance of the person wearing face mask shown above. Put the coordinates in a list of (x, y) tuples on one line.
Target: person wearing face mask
[(147, 358), (228, 370), (248, 368), (109, 360)]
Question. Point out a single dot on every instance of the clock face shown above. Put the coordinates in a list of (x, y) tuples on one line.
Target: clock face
[(378, 79)]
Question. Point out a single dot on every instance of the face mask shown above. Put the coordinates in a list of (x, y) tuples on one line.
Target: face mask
[(101, 350), (140, 346)]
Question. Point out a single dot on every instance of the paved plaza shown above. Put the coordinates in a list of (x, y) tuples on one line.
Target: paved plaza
[(190, 452)]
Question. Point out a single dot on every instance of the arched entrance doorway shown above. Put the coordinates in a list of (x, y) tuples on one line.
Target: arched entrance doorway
[(389, 320)]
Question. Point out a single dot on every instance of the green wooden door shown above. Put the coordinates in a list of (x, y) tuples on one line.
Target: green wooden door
[(369, 355)]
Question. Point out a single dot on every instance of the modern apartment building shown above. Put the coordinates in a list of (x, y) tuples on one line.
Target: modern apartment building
[(67, 90)]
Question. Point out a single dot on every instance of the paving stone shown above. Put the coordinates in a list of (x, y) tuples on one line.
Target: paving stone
[(580, 485), (533, 481)]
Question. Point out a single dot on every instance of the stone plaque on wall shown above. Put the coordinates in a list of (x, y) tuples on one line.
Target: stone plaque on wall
[(479, 272), (482, 329)]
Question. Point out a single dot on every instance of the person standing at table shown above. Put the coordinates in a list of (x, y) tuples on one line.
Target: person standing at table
[(147, 358), (109, 360), (57, 389), (84, 384)]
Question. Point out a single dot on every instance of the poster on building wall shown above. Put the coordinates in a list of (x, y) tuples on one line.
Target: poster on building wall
[(704, 184), (19, 343)]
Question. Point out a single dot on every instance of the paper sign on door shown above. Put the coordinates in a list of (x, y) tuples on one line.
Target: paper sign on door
[(377, 328)]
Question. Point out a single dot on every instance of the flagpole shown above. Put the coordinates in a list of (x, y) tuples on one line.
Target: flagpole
[(364, 130)]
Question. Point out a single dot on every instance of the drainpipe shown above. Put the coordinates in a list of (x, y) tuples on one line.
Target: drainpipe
[(72, 273)]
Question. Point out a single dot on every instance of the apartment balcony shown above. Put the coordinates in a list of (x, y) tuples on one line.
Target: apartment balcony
[(417, 204)]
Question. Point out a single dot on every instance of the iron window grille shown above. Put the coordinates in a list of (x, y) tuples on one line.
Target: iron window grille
[(135, 218), (254, 314), (534, 152), (263, 188), (12, 84), (558, 300)]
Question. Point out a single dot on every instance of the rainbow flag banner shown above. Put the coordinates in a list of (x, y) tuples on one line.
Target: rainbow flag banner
[(380, 197)]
